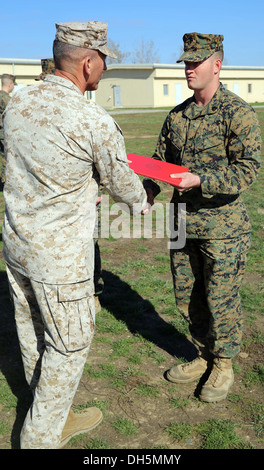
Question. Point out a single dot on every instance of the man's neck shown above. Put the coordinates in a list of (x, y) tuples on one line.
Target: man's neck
[(203, 97), (72, 78)]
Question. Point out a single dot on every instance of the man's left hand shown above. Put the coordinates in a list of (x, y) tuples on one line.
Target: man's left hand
[(187, 181)]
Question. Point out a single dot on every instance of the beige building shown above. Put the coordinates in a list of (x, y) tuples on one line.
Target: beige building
[(159, 85), (25, 70), (147, 85)]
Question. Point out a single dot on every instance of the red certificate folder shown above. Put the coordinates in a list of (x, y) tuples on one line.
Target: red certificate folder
[(155, 169)]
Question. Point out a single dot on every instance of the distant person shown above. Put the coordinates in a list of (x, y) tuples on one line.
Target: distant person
[(60, 146), (8, 83), (216, 135)]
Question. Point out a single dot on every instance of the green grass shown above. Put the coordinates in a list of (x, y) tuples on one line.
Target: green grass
[(96, 443), (212, 434), (103, 371), (4, 428), (179, 431), (220, 434), (101, 404), (147, 390), (255, 376), (125, 426), (7, 399), (179, 402)]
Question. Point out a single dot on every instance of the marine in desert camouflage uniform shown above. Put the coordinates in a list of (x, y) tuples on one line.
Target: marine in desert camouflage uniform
[(60, 147), (48, 68), (7, 84), (216, 135)]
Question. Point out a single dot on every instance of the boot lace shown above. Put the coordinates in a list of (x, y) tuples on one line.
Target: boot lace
[(187, 365)]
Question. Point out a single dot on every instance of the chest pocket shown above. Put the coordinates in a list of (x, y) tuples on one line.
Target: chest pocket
[(209, 141), (177, 139), (210, 151), (210, 134)]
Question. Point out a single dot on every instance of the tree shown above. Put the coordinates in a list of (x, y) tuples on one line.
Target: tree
[(121, 56), (146, 54)]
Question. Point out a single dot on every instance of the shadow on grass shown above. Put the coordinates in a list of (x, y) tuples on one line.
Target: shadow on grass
[(11, 364), (141, 317)]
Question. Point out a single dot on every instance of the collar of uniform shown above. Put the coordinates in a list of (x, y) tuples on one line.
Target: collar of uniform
[(193, 111), (62, 82)]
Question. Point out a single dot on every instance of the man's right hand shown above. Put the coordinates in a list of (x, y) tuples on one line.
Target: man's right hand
[(150, 202)]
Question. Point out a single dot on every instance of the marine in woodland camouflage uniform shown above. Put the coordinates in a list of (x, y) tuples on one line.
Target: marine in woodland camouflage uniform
[(220, 142), (8, 82), (60, 147)]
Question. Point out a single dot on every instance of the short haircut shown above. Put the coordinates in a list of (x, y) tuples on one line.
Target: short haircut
[(7, 78), (219, 55), (63, 52)]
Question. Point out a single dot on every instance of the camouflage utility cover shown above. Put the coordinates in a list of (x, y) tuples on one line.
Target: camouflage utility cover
[(198, 47), (221, 143), (92, 35), (59, 147), (48, 68)]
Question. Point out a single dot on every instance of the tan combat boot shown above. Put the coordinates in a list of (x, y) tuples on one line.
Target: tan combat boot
[(80, 423), (188, 372), (219, 382)]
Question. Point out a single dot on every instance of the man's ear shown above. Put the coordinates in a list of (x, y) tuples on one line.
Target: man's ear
[(218, 65), (87, 66)]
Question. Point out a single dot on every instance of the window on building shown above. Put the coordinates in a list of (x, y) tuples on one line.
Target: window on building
[(249, 88), (165, 90)]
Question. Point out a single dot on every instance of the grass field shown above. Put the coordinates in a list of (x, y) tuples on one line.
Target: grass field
[(139, 335)]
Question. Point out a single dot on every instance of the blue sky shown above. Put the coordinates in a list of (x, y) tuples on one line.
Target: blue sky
[(28, 27)]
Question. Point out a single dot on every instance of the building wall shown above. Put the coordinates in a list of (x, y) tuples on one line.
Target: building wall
[(247, 82), (25, 70), (170, 86), (147, 85), (166, 85), (136, 88)]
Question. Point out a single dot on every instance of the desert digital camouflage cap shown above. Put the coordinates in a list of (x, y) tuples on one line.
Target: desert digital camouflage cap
[(198, 46), (92, 35), (48, 67)]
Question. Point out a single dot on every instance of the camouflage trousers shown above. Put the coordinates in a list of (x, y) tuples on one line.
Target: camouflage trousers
[(55, 326), (207, 276)]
